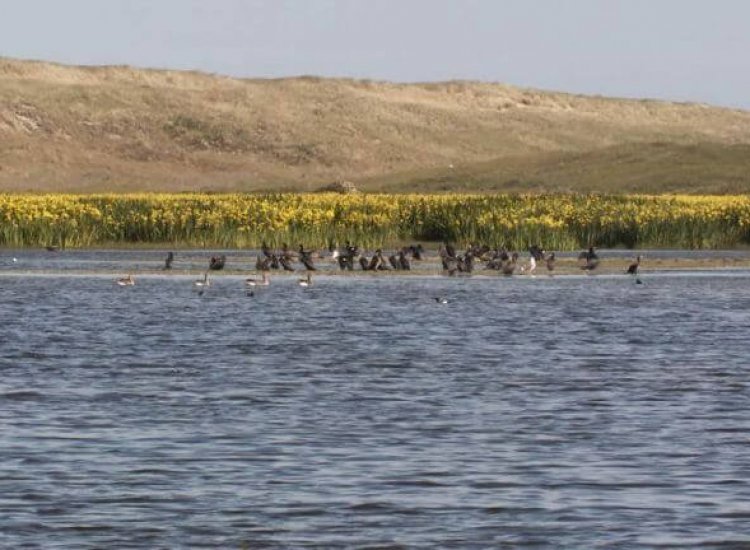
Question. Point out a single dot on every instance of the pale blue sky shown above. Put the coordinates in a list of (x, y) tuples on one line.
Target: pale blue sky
[(686, 50)]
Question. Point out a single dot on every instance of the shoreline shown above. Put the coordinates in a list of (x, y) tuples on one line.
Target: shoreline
[(567, 268)]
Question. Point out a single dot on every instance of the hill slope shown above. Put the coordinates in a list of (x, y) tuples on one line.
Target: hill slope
[(121, 129)]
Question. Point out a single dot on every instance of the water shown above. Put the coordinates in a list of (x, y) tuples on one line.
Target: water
[(574, 412)]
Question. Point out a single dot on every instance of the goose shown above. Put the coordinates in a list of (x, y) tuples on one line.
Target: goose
[(591, 259), (551, 263), (126, 281), (441, 300), (633, 268), (403, 261), (508, 267), (264, 281), (168, 261), (307, 281), (204, 282), (305, 256)]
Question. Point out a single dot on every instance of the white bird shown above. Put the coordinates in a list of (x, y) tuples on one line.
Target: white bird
[(126, 281), (532, 265), (264, 281), (203, 282)]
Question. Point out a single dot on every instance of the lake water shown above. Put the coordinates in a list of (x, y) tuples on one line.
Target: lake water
[(567, 412)]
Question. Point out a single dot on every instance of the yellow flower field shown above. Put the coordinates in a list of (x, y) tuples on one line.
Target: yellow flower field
[(558, 222)]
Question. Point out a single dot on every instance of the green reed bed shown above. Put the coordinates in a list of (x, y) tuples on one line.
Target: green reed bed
[(556, 221)]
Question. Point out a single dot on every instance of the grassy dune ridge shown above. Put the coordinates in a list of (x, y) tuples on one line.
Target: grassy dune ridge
[(557, 221), (120, 129)]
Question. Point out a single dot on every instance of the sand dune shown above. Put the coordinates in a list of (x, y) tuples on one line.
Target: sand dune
[(124, 129)]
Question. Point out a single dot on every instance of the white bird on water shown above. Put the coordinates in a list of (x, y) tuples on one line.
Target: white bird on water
[(126, 281), (264, 281), (204, 282)]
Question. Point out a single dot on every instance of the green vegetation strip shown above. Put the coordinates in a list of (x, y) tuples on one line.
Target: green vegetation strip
[(556, 221)]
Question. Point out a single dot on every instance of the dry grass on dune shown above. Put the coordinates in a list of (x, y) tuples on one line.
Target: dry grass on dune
[(123, 129)]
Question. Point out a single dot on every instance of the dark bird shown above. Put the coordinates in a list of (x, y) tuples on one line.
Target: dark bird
[(217, 262), (416, 251), (440, 300), (591, 260), (393, 260), (466, 263), (346, 258), (508, 266), (451, 266), (169, 260), (285, 252), (306, 258), (262, 263), (286, 263), (447, 256), (633, 268), (377, 262), (404, 261), (551, 262)]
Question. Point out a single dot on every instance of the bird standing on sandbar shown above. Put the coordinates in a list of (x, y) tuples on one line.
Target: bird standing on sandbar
[(590, 258), (633, 268), (550, 260)]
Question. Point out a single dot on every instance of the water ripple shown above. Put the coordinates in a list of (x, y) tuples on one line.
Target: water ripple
[(566, 412)]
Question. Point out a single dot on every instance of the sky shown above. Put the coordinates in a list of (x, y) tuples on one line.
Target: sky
[(682, 50)]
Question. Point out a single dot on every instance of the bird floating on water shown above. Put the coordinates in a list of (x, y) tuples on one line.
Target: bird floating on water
[(441, 300), (307, 281), (204, 282), (263, 281), (126, 281)]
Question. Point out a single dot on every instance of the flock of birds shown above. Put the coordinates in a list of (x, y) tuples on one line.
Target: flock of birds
[(452, 262)]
